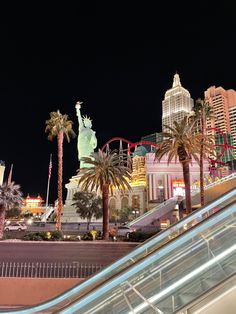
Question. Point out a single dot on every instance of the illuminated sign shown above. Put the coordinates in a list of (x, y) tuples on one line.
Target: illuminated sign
[(178, 183)]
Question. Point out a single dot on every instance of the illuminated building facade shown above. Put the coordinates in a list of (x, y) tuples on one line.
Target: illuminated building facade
[(153, 182), (166, 180), (33, 205), (2, 170), (176, 104), (137, 198), (223, 103)]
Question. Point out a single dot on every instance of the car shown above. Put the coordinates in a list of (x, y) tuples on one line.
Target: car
[(121, 231), (15, 227)]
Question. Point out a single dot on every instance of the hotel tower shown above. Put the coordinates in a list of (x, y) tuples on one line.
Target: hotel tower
[(176, 104), (223, 103)]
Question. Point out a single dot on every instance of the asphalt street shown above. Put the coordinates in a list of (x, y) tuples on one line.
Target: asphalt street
[(80, 252)]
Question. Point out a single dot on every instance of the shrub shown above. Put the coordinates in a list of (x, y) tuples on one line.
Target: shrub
[(33, 237), (6, 237), (89, 236), (38, 236), (56, 235), (139, 236)]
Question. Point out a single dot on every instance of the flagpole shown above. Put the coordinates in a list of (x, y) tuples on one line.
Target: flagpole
[(49, 177)]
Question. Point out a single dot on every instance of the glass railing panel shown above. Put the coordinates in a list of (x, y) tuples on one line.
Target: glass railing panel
[(195, 256), (171, 201), (200, 255), (217, 296), (205, 281)]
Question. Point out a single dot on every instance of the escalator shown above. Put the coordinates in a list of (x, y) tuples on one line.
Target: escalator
[(145, 269), (220, 299), (166, 280)]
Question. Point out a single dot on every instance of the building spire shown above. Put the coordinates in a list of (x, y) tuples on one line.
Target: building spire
[(176, 81)]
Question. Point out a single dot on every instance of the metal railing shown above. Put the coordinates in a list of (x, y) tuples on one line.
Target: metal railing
[(48, 270)]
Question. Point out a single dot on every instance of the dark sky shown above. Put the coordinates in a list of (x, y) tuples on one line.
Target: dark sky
[(118, 59)]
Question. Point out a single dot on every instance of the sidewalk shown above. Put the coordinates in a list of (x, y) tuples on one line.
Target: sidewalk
[(74, 242)]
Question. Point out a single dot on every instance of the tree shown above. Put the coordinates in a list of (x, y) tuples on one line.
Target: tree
[(203, 111), (59, 126), (12, 213), (126, 214), (88, 205), (114, 214), (108, 172), (10, 197), (182, 144)]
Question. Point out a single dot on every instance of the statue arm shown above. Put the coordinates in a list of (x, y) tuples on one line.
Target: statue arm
[(80, 120)]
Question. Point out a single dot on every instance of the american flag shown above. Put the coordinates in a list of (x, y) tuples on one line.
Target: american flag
[(50, 167)]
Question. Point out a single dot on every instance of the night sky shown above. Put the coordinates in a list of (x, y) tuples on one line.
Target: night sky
[(118, 59)]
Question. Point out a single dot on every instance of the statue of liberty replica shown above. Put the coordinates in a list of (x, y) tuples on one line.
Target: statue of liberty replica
[(86, 144), (87, 140)]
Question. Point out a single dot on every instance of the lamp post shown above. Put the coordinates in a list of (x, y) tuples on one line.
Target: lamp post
[(135, 212), (161, 190)]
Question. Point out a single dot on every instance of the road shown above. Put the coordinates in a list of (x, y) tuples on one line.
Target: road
[(83, 252)]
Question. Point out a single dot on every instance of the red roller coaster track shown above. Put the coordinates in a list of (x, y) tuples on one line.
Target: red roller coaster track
[(224, 147), (130, 144)]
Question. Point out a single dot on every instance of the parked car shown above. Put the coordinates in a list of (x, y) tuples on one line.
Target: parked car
[(15, 227), (121, 231)]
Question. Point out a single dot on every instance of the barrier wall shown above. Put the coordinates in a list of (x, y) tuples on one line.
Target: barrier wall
[(29, 291)]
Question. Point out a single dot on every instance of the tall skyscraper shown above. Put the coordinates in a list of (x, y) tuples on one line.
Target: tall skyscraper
[(176, 104), (223, 103)]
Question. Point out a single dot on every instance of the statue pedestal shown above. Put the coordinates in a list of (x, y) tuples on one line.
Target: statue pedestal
[(69, 211)]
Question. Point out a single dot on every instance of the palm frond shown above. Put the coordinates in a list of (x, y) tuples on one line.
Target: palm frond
[(10, 196), (59, 123), (107, 169)]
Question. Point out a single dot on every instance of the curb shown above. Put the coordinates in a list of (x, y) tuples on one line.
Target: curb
[(70, 242)]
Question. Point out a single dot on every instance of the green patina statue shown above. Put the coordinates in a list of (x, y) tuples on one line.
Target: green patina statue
[(87, 140)]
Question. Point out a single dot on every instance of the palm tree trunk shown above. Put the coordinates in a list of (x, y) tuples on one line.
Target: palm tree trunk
[(202, 196), (105, 197), (88, 223), (60, 138), (186, 174), (203, 127), (2, 221)]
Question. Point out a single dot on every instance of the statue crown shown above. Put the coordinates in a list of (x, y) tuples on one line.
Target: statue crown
[(86, 119)]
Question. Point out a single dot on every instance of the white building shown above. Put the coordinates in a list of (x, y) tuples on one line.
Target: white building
[(2, 169), (176, 104)]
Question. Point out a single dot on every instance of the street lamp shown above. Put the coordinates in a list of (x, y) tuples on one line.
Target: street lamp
[(161, 190), (135, 212)]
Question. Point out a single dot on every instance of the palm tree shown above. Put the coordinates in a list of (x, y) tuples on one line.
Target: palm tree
[(107, 173), (203, 111), (182, 144), (59, 126), (10, 197), (88, 205)]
